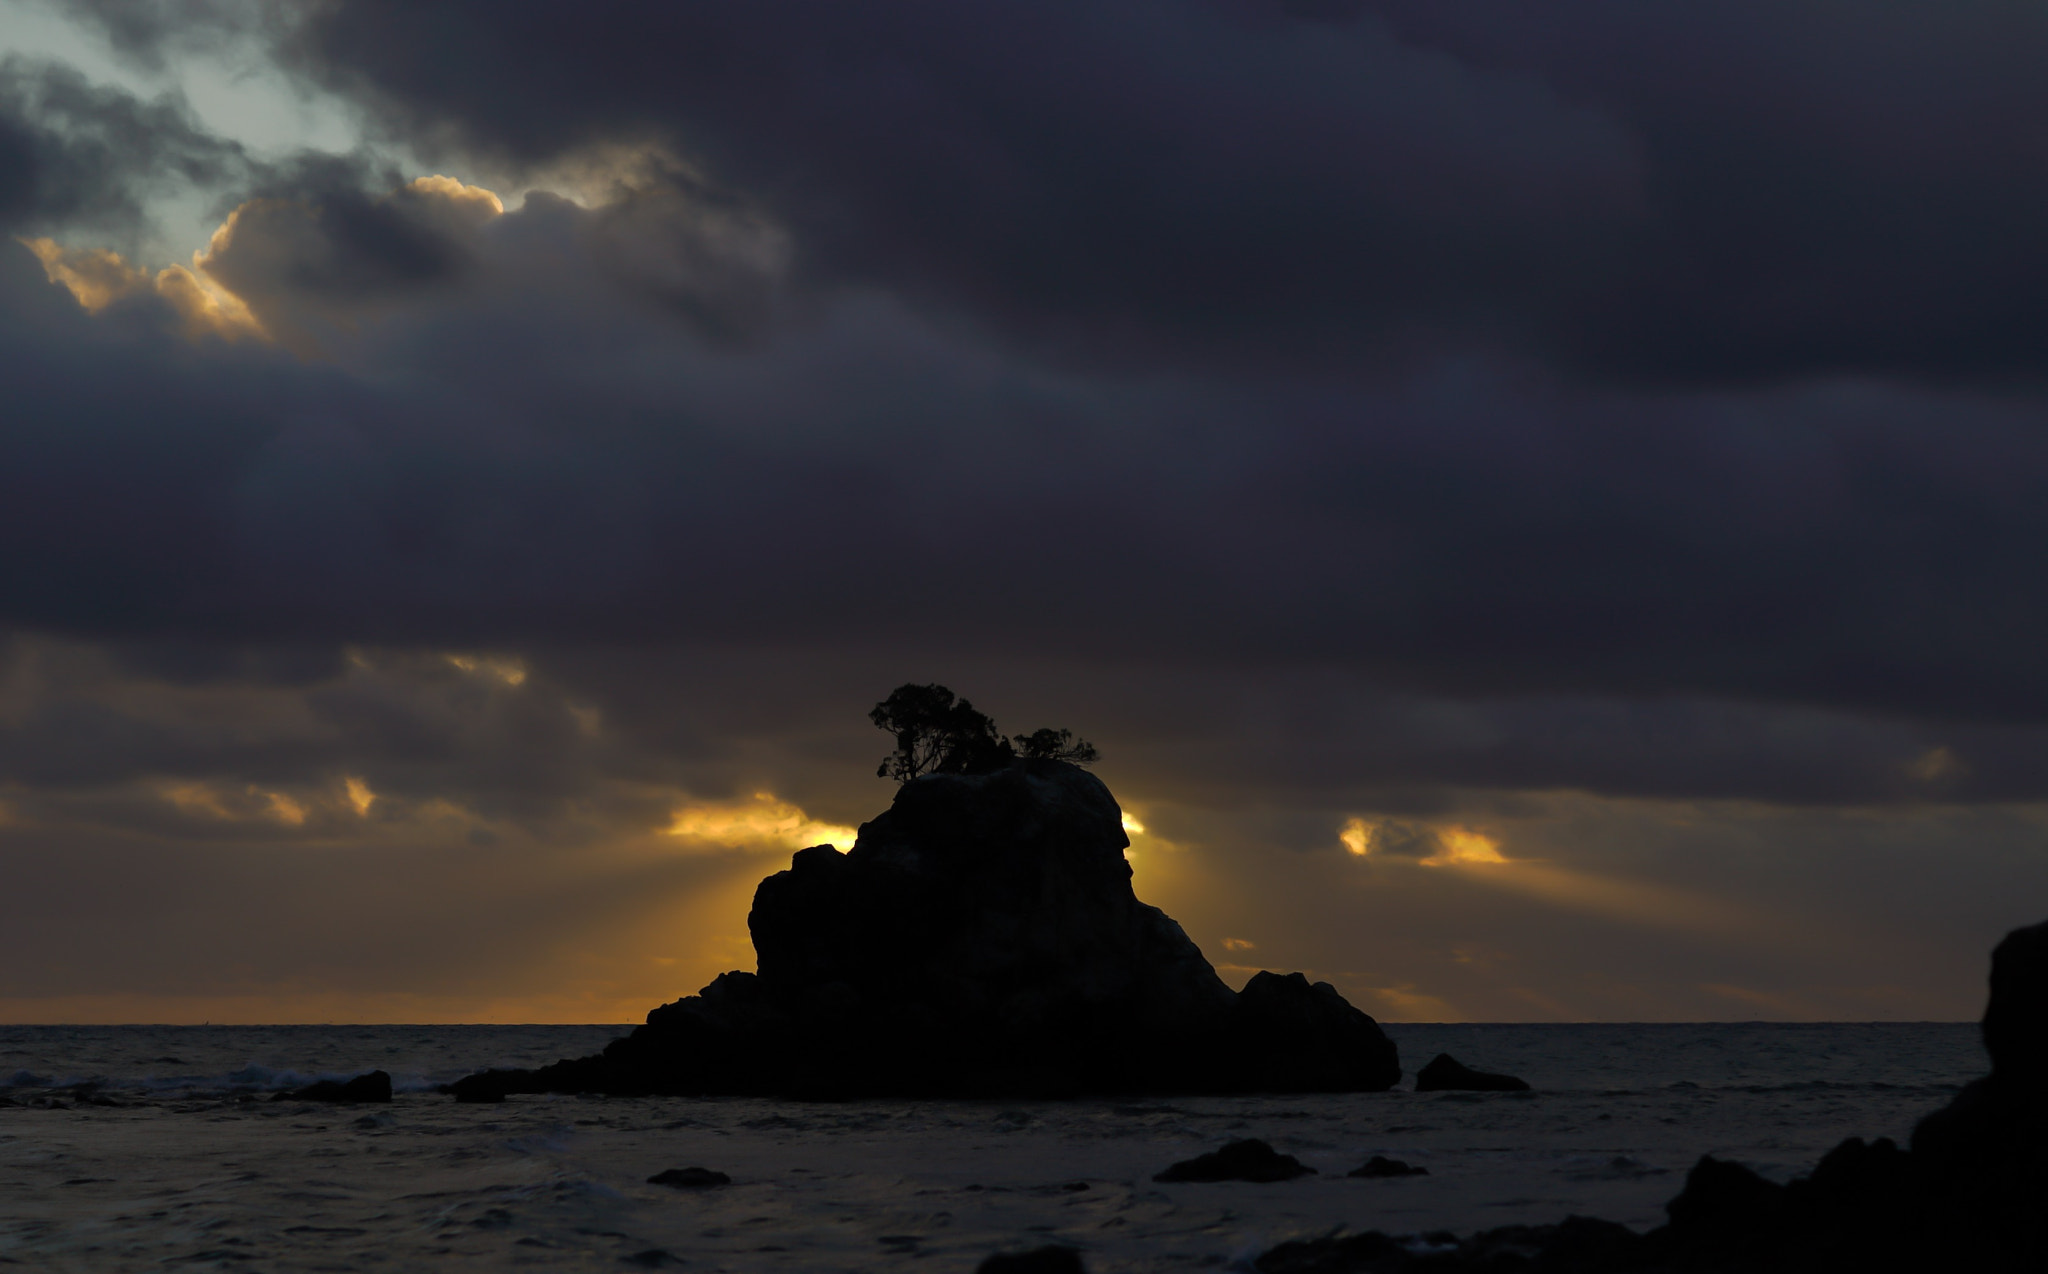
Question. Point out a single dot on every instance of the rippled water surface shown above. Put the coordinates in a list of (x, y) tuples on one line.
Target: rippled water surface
[(130, 1148)]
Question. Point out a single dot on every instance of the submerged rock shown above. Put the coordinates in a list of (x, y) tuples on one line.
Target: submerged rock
[(1050, 1259), (689, 1178), (981, 938), (1576, 1245), (1247, 1160), (1381, 1166), (1446, 1073), (485, 1086), (375, 1086)]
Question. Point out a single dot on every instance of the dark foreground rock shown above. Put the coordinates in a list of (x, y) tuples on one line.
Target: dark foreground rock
[(1446, 1073), (1043, 1260), (1381, 1166), (1247, 1160), (375, 1086), (1966, 1195), (689, 1178), (1576, 1245), (980, 939)]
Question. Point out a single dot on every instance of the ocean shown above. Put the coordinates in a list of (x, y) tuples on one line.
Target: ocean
[(154, 1147)]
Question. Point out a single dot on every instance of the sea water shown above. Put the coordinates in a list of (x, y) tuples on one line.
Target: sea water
[(131, 1148)]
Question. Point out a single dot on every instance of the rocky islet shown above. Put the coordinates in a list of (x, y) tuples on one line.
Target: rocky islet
[(1447, 1074), (981, 938)]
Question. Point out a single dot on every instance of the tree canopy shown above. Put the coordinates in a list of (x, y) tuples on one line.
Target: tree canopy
[(937, 732)]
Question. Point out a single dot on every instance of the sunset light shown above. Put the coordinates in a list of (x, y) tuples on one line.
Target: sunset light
[(763, 823), (1402, 617)]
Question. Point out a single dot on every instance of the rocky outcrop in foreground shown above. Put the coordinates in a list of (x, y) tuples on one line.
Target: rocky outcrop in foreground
[(980, 939), (1968, 1195), (373, 1087), (1447, 1074)]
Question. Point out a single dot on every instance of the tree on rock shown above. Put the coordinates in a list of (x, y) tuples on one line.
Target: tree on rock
[(937, 732), (1056, 745)]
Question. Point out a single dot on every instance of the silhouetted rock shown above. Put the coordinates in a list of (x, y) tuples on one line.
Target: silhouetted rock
[(1576, 1245), (1302, 1038), (1445, 1073), (1248, 1160), (1588, 1245), (1371, 1250), (1043, 1260), (484, 1086), (2016, 1016), (375, 1086), (1725, 1205), (980, 939), (1381, 1166), (689, 1178), (1980, 1165), (1966, 1196)]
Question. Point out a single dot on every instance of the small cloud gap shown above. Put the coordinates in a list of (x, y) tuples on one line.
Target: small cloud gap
[(1476, 857), (360, 797), (1445, 845), (504, 670)]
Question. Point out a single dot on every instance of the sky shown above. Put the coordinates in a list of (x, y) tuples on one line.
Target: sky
[(1539, 509)]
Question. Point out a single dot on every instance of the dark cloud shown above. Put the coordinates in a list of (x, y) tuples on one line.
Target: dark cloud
[(1599, 440), (1472, 525), (78, 154), (1833, 187), (321, 236), (1143, 177), (533, 454), (1759, 191)]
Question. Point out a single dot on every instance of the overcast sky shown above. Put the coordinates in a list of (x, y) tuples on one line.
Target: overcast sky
[(1539, 507)]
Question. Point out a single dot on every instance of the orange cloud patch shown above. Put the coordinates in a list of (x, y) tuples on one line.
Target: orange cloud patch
[(1404, 1003), (512, 672), (1477, 857), (1463, 845), (98, 278), (471, 202), (763, 823), (360, 797), (1444, 846), (200, 295)]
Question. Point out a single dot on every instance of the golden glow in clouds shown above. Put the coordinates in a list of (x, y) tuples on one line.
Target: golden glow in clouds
[(763, 823), (1475, 856), (510, 671), (477, 202), (97, 278), (1446, 846), (359, 795)]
